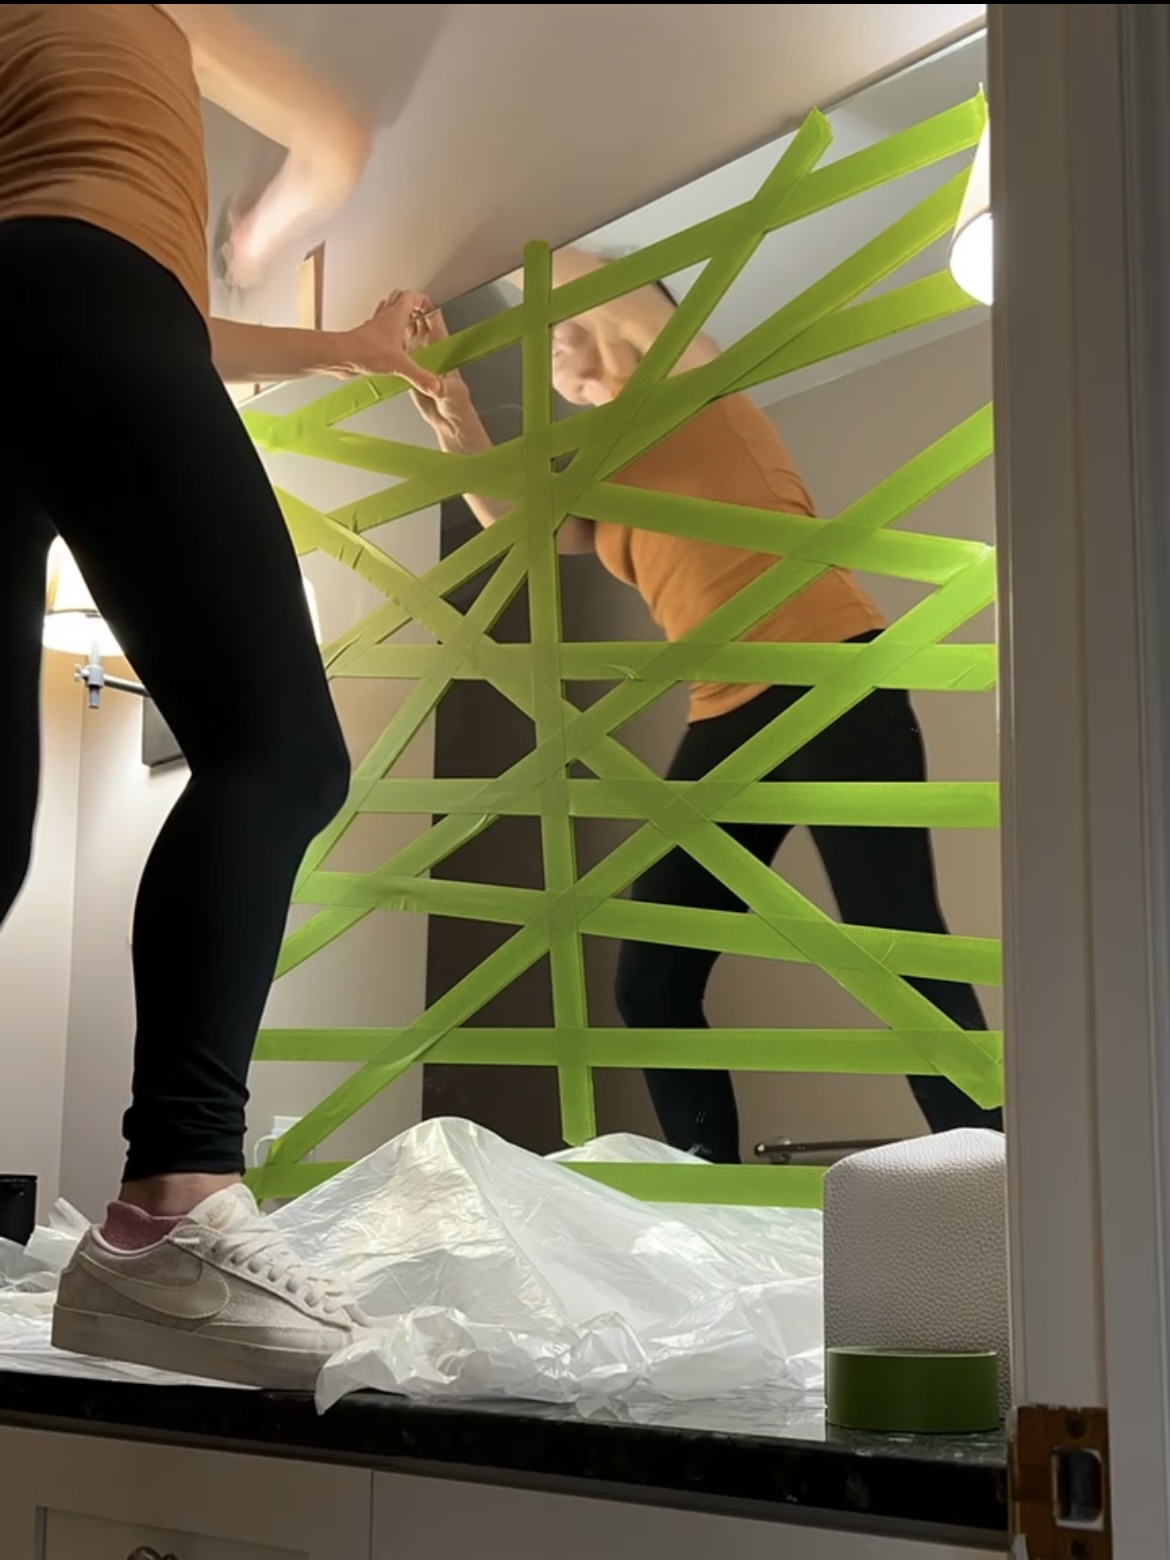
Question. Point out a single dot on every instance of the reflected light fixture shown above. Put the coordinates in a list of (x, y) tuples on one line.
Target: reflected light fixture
[(73, 623), (75, 626), (971, 248)]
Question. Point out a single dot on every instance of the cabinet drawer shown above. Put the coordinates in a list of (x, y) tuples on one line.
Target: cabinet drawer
[(65, 1497), (451, 1521), (68, 1536)]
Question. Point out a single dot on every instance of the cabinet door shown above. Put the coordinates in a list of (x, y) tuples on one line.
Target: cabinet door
[(67, 1536), (450, 1521), (68, 1497)]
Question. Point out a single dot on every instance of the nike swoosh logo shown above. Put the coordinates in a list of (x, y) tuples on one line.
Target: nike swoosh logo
[(199, 1301)]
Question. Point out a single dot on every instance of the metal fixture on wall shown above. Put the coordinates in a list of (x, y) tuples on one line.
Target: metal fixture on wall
[(783, 1151)]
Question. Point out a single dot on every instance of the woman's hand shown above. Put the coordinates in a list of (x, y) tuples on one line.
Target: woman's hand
[(384, 343), (444, 409), (256, 80)]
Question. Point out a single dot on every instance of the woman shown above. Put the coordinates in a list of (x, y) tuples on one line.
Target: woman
[(122, 439), (883, 877)]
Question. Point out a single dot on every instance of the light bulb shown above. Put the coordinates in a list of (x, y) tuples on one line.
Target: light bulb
[(972, 249)]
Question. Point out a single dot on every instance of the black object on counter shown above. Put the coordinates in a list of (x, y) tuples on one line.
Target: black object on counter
[(18, 1207)]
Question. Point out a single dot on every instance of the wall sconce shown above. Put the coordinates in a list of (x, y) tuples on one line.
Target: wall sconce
[(972, 251), (74, 626)]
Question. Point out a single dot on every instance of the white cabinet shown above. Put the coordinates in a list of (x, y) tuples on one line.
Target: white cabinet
[(68, 1497), (67, 1536), (65, 1497), (446, 1520)]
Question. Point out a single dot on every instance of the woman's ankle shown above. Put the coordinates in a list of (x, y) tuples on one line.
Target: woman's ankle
[(171, 1196)]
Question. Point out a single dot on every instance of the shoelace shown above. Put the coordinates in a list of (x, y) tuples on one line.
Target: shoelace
[(262, 1251)]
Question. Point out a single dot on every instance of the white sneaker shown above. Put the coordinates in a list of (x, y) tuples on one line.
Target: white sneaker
[(220, 1296)]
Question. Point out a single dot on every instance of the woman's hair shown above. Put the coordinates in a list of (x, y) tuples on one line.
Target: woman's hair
[(610, 255)]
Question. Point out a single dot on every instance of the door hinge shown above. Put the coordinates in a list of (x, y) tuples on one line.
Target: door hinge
[(1058, 1471)]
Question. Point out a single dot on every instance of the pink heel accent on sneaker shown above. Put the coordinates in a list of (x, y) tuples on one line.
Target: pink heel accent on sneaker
[(128, 1228)]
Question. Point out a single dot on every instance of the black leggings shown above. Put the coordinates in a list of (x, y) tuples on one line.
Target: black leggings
[(879, 876), (121, 438)]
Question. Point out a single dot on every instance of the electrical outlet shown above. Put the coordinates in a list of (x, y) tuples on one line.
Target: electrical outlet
[(280, 1125)]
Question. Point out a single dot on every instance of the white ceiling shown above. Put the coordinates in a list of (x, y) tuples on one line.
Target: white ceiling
[(794, 258), (500, 123)]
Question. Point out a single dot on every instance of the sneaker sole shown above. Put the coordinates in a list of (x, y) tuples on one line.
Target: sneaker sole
[(105, 1337)]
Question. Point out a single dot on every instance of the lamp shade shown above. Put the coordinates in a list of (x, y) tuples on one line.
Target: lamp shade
[(971, 248), (311, 602), (72, 621)]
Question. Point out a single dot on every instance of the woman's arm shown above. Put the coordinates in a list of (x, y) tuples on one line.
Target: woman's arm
[(256, 81), (256, 354), (459, 430), (639, 317)]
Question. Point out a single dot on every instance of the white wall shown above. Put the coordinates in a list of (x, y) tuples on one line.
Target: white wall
[(35, 951), (374, 975), (120, 807)]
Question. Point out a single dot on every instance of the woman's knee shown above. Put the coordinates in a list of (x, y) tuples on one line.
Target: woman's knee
[(324, 769), (293, 759)]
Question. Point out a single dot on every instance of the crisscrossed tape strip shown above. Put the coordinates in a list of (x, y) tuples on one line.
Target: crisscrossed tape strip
[(823, 321), (908, 151)]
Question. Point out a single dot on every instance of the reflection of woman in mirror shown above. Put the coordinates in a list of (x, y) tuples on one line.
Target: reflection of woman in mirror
[(122, 438), (882, 877)]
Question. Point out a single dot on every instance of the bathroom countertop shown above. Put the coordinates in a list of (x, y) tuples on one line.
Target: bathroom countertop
[(779, 1461)]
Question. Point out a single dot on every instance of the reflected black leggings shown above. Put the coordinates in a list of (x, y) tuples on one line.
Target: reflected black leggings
[(119, 436), (879, 877)]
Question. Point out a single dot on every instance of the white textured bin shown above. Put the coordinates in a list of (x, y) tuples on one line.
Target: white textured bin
[(916, 1248)]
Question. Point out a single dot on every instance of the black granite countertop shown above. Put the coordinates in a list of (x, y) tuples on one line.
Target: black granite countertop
[(779, 1461)]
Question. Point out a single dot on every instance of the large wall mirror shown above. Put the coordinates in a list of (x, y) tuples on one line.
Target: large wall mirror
[(849, 421), (398, 939), (403, 950)]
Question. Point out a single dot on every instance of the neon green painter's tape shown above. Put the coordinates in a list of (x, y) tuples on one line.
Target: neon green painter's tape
[(908, 236), (744, 1186), (922, 476), (826, 320), (431, 477), (791, 1186), (898, 1005), (928, 955), (911, 1392), (894, 804), (908, 151), (928, 559), (914, 304), (878, 1051), (936, 669), (558, 850)]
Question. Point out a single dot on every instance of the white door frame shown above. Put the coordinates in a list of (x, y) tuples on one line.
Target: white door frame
[(1080, 105)]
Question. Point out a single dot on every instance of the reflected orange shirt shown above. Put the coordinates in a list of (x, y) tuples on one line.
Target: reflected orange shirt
[(100, 121), (731, 453)]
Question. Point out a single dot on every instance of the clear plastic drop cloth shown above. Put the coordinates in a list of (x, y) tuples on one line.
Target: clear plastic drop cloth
[(495, 1274)]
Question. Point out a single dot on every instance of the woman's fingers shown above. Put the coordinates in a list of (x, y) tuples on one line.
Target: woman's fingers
[(415, 375)]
